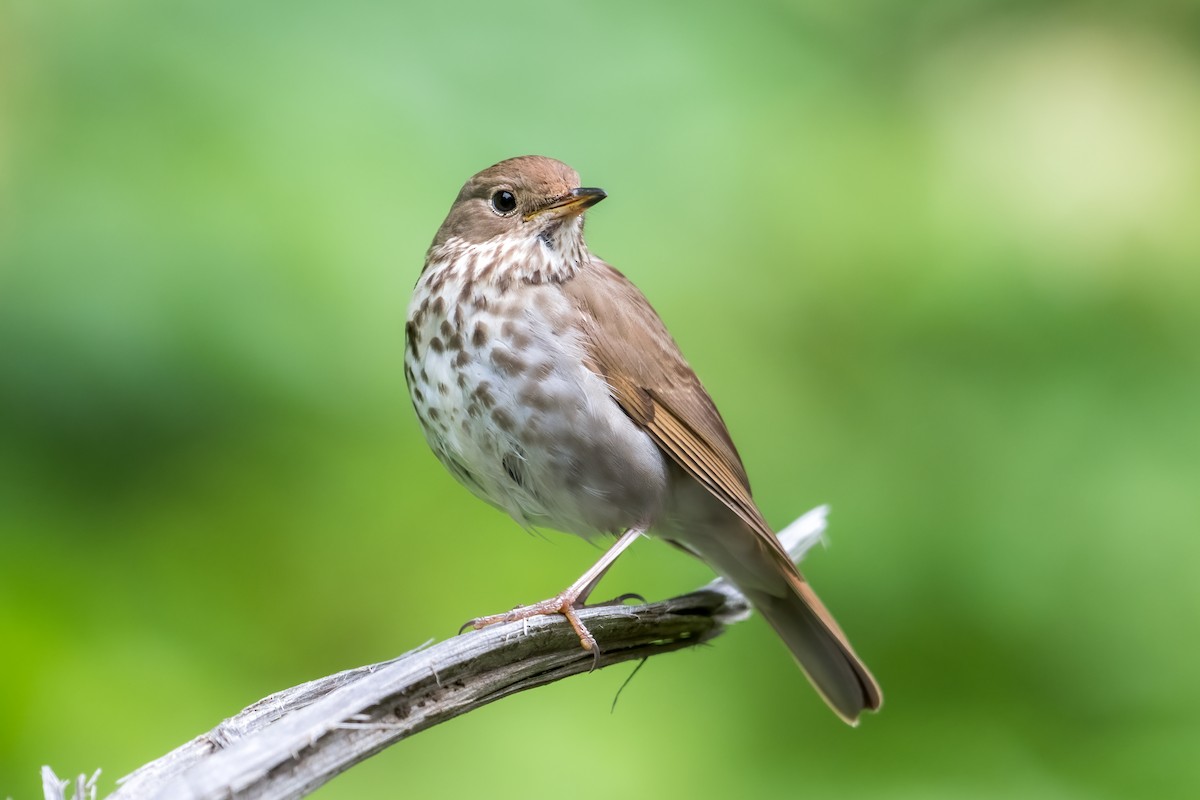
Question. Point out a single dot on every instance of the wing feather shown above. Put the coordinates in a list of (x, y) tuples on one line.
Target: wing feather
[(629, 346)]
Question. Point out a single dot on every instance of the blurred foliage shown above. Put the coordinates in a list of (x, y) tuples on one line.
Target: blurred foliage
[(937, 262)]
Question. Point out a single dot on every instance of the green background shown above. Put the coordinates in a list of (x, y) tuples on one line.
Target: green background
[(938, 263)]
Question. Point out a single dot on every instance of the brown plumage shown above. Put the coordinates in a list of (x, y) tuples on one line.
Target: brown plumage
[(598, 424)]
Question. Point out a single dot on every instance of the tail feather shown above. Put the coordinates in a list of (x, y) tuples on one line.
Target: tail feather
[(761, 568), (819, 647)]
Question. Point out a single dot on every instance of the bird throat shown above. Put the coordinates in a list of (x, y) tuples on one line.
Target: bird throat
[(552, 255)]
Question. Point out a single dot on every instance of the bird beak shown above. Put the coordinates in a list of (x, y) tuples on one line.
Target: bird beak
[(573, 202)]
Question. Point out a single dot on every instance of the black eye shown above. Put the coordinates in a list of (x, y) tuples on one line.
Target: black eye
[(504, 201)]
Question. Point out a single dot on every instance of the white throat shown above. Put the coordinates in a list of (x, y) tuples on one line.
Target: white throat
[(550, 257)]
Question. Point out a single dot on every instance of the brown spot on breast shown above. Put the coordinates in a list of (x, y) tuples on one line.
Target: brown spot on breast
[(468, 264), (443, 389), (435, 344), (462, 359), (455, 343), (479, 335), (543, 370), (419, 395), (461, 380), (543, 302), (446, 328), (414, 338), (439, 304), (433, 413), (507, 361), (531, 396), (480, 302), (503, 419), (483, 393)]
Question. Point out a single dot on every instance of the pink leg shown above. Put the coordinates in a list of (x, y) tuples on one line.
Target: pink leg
[(570, 598)]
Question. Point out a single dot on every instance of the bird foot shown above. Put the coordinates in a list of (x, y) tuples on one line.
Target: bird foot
[(568, 601), (564, 603)]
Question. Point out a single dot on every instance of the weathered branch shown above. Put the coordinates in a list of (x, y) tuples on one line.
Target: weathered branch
[(288, 744)]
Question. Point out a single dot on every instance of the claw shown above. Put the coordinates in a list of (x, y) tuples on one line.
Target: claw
[(619, 600)]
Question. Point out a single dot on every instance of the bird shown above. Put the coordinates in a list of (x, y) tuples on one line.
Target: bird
[(548, 386)]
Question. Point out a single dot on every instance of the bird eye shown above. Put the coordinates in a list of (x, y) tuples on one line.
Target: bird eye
[(505, 202)]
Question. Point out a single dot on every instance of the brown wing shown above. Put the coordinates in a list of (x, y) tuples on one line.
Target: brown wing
[(630, 346)]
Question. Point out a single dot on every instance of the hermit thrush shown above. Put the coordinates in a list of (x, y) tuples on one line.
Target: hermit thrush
[(549, 387)]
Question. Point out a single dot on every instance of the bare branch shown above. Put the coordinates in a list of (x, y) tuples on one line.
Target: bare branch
[(289, 744)]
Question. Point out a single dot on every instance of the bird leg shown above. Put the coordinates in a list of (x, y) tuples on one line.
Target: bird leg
[(571, 598)]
